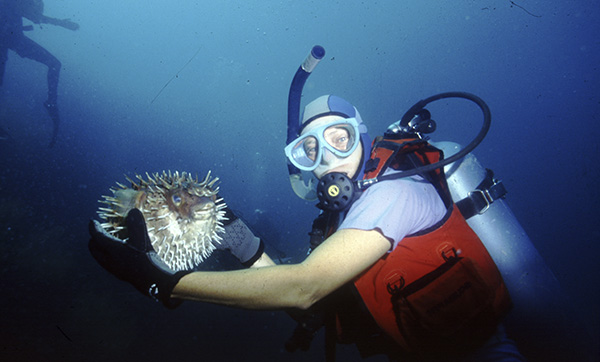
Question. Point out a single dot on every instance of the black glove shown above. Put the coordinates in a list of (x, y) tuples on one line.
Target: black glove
[(68, 24), (240, 241), (134, 260)]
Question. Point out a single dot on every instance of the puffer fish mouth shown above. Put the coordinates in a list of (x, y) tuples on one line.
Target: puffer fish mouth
[(204, 209)]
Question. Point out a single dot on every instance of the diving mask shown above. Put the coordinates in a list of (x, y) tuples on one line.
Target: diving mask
[(340, 137)]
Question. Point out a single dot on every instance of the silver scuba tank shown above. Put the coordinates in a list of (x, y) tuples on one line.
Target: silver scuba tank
[(524, 271), (542, 320)]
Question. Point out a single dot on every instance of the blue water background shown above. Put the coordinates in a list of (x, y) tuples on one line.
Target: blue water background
[(224, 110)]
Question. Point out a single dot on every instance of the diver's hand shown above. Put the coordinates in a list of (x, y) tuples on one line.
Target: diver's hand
[(240, 241), (68, 24), (134, 260)]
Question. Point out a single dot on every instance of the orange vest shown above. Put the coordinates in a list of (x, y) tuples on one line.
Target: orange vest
[(439, 290)]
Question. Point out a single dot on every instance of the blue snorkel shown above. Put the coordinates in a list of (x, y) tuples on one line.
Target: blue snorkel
[(316, 54)]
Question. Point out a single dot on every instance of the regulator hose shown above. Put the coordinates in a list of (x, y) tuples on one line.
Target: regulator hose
[(416, 109)]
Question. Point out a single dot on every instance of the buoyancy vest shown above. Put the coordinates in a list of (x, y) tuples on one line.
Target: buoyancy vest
[(438, 291)]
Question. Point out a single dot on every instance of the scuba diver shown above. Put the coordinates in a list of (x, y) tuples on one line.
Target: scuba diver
[(12, 37), (402, 252), (393, 267)]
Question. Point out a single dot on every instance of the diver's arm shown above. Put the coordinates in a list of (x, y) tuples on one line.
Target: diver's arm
[(337, 261)]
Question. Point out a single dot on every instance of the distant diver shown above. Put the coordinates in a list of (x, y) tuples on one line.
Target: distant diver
[(12, 37)]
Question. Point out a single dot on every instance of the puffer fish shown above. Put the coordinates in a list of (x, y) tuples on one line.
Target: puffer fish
[(183, 216)]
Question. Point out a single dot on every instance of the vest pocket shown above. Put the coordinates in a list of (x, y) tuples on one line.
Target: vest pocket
[(447, 311)]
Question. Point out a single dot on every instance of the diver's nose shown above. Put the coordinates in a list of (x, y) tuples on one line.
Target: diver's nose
[(327, 157)]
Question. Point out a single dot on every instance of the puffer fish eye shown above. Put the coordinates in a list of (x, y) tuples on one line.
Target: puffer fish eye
[(176, 200)]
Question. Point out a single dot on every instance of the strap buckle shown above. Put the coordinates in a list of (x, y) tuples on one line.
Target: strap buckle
[(489, 193), (485, 196), (478, 201)]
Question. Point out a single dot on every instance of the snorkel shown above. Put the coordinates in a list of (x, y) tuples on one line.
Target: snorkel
[(302, 189), (312, 60)]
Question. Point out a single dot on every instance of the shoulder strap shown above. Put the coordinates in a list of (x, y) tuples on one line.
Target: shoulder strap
[(406, 154), (385, 152)]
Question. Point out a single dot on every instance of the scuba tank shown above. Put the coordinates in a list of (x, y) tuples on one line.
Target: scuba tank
[(542, 321), (522, 268)]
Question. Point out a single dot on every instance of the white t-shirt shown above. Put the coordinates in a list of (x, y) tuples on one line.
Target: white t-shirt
[(396, 208)]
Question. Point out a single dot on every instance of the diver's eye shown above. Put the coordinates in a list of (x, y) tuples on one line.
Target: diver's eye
[(176, 200)]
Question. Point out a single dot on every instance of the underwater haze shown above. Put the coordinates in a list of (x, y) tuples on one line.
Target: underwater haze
[(203, 85)]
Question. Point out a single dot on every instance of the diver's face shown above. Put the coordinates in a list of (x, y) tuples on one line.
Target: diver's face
[(338, 138)]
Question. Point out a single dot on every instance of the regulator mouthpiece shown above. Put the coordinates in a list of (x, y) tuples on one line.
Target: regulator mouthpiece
[(336, 192)]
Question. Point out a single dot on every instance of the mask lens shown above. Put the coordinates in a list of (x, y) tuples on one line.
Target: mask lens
[(305, 152), (311, 146), (340, 137)]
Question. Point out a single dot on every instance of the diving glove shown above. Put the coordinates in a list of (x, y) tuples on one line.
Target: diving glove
[(240, 241), (134, 260)]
